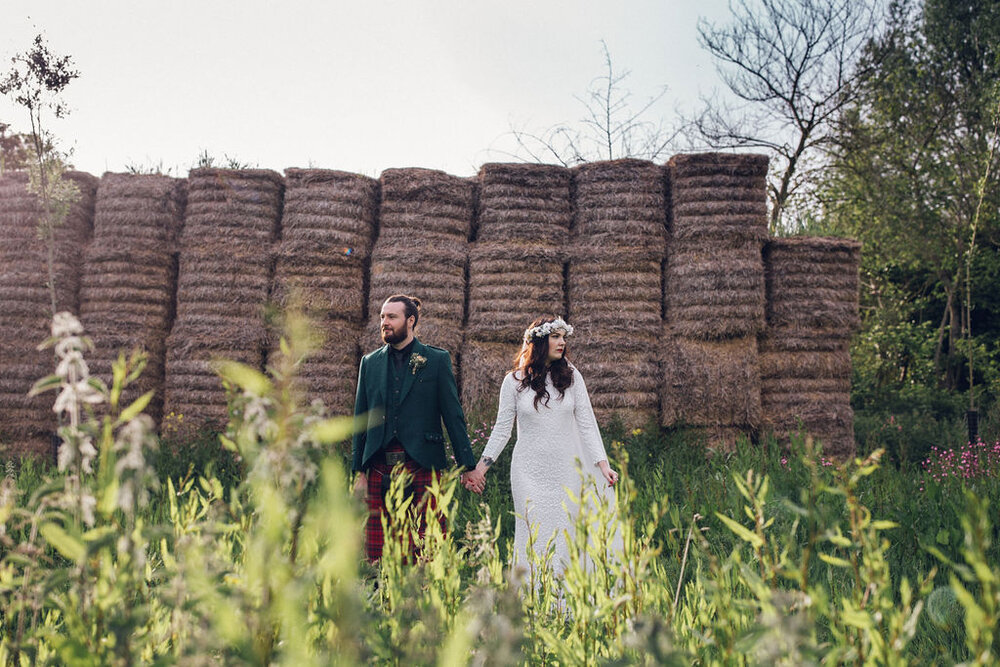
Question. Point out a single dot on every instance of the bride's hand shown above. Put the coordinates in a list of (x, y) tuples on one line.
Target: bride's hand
[(609, 475)]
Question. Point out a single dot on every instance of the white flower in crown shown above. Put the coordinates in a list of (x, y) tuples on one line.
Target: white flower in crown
[(543, 330)]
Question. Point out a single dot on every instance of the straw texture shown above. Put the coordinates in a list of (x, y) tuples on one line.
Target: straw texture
[(223, 283), (26, 423), (812, 307)]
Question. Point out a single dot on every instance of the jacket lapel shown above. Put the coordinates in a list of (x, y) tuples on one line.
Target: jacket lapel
[(380, 366), (409, 377)]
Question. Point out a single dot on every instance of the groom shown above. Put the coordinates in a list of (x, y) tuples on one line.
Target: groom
[(407, 389)]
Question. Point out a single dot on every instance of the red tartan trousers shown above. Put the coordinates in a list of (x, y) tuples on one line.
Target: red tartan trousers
[(422, 478)]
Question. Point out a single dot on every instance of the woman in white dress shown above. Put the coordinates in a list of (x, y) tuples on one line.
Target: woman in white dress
[(557, 440)]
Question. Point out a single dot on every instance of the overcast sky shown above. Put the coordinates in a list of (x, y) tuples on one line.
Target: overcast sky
[(358, 86)]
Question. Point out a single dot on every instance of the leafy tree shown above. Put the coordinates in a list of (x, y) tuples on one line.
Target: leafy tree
[(791, 66), (914, 176), (35, 81)]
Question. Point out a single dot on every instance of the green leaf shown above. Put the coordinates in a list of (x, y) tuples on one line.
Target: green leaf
[(246, 377), (833, 560), (138, 405), (943, 537), (333, 430), (884, 525), (228, 444), (67, 545), (741, 532), (45, 384)]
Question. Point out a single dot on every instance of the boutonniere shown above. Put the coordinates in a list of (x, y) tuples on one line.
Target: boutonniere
[(417, 362)]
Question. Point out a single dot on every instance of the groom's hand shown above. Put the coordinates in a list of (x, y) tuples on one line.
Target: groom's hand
[(474, 480), (361, 485)]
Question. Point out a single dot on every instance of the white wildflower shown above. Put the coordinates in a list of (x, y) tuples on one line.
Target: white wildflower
[(65, 324)]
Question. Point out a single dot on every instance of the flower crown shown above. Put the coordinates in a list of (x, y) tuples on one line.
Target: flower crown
[(546, 328)]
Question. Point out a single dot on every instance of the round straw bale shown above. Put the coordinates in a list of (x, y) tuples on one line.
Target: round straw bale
[(139, 208), (425, 200), (520, 202), (710, 383)]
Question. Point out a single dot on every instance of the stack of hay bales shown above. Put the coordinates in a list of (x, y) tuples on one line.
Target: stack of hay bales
[(223, 284), (714, 293), (26, 424), (129, 276), (327, 230), (422, 250), (516, 268), (615, 286), (812, 308)]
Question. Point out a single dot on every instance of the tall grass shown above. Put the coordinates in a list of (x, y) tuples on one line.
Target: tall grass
[(756, 555)]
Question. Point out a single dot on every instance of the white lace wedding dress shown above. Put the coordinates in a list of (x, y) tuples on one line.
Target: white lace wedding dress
[(544, 466)]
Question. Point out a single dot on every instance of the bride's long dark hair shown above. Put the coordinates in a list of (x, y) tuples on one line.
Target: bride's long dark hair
[(531, 367)]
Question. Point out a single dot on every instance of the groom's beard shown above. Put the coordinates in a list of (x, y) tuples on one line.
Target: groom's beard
[(393, 336)]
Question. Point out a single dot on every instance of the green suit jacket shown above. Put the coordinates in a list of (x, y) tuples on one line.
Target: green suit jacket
[(428, 397)]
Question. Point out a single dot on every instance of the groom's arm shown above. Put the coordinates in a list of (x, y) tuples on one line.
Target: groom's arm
[(360, 408), (452, 414)]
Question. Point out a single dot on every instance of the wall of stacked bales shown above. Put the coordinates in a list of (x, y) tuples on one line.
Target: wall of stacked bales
[(685, 312)]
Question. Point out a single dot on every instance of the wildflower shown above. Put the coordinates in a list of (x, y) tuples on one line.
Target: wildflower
[(65, 324)]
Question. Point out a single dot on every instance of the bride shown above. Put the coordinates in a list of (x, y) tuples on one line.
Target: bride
[(557, 441)]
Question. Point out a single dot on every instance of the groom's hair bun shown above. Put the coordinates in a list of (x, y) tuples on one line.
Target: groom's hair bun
[(411, 305)]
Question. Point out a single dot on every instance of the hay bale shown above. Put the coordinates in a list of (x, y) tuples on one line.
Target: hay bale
[(522, 203), (425, 204), (714, 293), (330, 373), (509, 286), (718, 199), (328, 282), (435, 274), (331, 211), (715, 165), (139, 211), (615, 296), (621, 381), (192, 387), (710, 383), (812, 283), (621, 203), (26, 301), (224, 278), (130, 276), (483, 367), (238, 207)]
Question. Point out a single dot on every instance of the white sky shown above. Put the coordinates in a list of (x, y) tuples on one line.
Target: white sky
[(359, 86)]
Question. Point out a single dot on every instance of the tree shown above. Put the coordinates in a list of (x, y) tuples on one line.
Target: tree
[(610, 129), (35, 81), (914, 177), (792, 66)]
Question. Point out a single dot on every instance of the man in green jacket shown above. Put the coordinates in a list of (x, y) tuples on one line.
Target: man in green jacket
[(407, 389)]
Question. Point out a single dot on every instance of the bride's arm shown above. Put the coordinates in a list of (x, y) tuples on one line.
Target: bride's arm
[(590, 433), (503, 425)]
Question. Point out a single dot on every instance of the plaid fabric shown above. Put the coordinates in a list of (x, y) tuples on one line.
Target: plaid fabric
[(422, 478)]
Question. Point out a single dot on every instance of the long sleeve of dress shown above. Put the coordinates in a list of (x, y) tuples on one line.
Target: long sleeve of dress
[(504, 423), (590, 434)]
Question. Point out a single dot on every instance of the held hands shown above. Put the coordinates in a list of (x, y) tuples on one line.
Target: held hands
[(475, 480), (610, 475)]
